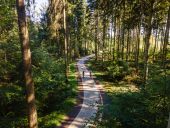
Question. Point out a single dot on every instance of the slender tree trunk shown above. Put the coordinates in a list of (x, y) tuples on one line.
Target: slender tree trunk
[(123, 32), (166, 39), (104, 35), (164, 55), (114, 42), (147, 44), (96, 37), (162, 40), (65, 41), (118, 39), (155, 46), (127, 51), (111, 40), (133, 45), (143, 41), (137, 48), (26, 57)]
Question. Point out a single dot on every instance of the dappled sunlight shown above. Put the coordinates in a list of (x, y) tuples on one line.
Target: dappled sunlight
[(52, 119), (91, 96), (117, 88), (93, 63)]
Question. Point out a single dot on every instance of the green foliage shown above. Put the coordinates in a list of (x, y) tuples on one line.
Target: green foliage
[(53, 97), (133, 107), (117, 70), (51, 120), (51, 90), (12, 104), (133, 110)]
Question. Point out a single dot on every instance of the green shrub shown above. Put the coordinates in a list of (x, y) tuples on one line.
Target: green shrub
[(117, 70)]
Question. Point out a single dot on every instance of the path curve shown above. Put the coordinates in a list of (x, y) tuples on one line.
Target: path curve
[(91, 100)]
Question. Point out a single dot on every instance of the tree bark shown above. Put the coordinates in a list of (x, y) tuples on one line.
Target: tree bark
[(155, 46), (166, 39), (128, 40), (118, 38), (65, 41), (137, 48), (123, 32), (104, 35), (114, 42), (96, 37), (111, 38), (147, 44), (26, 57)]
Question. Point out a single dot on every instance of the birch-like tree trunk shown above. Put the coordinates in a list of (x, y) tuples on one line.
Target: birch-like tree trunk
[(147, 45)]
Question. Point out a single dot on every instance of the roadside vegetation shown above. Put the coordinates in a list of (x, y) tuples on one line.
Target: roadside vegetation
[(131, 105)]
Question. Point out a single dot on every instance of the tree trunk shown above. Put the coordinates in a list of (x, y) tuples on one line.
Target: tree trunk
[(133, 45), (118, 39), (123, 32), (137, 48), (166, 39), (128, 40), (65, 41), (26, 57), (111, 40), (163, 29), (104, 35), (147, 44), (155, 46), (114, 42), (96, 37)]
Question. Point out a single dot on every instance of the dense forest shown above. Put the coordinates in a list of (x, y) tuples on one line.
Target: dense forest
[(131, 44)]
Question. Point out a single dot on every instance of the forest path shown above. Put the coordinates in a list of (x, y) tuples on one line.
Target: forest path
[(91, 98)]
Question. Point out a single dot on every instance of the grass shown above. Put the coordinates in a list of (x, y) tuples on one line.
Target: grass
[(108, 85), (55, 118)]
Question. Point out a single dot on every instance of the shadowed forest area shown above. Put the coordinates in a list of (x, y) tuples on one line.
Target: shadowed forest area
[(39, 51)]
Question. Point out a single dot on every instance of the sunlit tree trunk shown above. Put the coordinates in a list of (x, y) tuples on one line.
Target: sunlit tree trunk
[(155, 45), (162, 39), (147, 45), (111, 38), (104, 36), (132, 50), (26, 57), (123, 32), (65, 41), (137, 48), (118, 38), (128, 41), (96, 36), (114, 40)]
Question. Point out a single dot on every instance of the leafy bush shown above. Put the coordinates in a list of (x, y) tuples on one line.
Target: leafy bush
[(133, 110), (117, 70)]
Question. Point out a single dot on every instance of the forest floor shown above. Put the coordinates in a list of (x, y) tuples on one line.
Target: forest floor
[(91, 95)]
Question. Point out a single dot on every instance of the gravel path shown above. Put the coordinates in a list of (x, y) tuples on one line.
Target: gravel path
[(90, 100)]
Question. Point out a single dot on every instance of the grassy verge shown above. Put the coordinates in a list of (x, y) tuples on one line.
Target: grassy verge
[(55, 118), (130, 106)]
